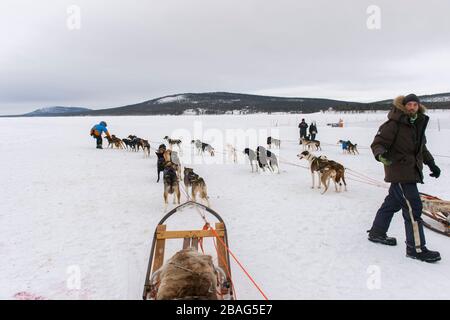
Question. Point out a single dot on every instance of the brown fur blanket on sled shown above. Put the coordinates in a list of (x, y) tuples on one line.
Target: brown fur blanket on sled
[(188, 275)]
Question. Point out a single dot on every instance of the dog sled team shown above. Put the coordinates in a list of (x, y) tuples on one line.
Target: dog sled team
[(170, 165), (132, 142), (261, 159)]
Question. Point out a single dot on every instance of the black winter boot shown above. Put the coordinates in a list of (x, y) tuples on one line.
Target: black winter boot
[(426, 255), (379, 237)]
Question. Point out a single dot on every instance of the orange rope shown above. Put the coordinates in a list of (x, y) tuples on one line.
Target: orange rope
[(240, 265), (227, 269), (200, 240)]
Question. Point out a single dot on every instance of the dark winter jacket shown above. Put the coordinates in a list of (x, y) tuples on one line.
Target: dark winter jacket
[(313, 129), (303, 126), (404, 144)]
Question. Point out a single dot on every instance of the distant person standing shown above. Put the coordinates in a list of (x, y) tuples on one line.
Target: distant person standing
[(96, 133), (303, 126), (313, 130)]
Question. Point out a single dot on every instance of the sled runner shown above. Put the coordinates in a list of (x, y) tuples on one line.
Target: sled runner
[(191, 239), (436, 213)]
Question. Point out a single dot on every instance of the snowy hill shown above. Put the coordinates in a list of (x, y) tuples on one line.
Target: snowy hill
[(226, 102), (232, 103), (443, 97), (57, 111), (439, 100)]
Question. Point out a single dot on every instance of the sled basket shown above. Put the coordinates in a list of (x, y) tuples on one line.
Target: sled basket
[(436, 214), (191, 238)]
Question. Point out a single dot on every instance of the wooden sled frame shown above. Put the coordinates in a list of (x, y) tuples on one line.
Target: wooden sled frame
[(431, 210), (190, 239)]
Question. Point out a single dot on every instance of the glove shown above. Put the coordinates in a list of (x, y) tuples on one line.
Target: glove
[(384, 160), (435, 171)]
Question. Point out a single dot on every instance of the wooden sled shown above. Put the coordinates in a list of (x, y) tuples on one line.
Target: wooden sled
[(436, 214), (191, 238)]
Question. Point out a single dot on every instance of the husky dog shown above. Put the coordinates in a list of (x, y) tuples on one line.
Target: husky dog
[(340, 174), (326, 175), (197, 184), (127, 143), (208, 148), (198, 145), (348, 147), (317, 164), (252, 157), (117, 142), (171, 184), (261, 157), (160, 162), (267, 159), (136, 142), (186, 181), (110, 142), (310, 144), (172, 156), (275, 142), (146, 147), (114, 141), (232, 152), (352, 148), (173, 142), (202, 147), (273, 161)]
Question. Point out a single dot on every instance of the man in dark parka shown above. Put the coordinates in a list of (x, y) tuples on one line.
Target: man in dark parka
[(303, 126), (400, 145)]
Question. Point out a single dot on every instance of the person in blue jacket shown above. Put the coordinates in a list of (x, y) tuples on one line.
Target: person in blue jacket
[(96, 133)]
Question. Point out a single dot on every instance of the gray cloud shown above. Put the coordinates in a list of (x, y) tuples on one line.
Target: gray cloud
[(126, 52)]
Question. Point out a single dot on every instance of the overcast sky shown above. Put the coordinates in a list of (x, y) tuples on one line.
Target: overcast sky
[(130, 51)]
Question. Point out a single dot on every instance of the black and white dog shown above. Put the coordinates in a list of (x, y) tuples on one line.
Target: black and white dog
[(266, 159), (251, 157)]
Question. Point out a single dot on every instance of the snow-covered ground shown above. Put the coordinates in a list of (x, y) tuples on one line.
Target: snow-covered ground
[(76, 222)]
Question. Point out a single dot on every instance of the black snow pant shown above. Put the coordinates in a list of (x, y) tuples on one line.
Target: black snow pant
[(404, 196), (99, 140), (302, 133), (313, 136)]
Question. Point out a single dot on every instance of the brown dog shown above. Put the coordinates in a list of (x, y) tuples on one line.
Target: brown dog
[(171, 183), (326, 175), (317, 164), (114, 141), (146, 147), (340, 173), (197, 184), (172, 156)]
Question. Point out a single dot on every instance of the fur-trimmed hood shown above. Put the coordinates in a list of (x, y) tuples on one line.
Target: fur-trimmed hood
[(399, 110)]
